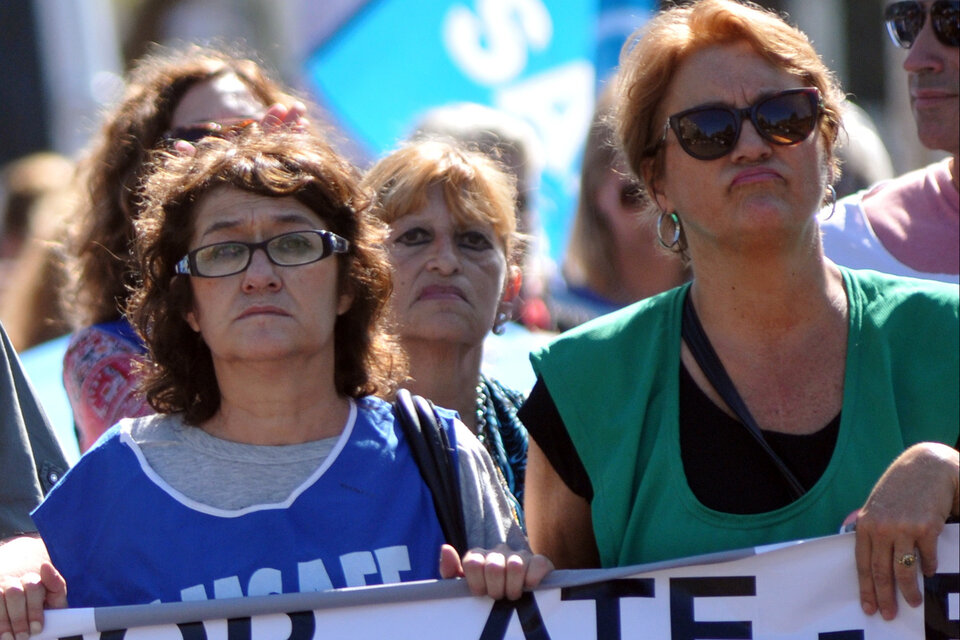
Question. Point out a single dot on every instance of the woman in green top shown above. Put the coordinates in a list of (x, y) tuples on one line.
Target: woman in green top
[(731, 119)]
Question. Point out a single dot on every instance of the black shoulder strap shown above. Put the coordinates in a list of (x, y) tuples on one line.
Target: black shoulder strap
[(432, 451), (693, 334)]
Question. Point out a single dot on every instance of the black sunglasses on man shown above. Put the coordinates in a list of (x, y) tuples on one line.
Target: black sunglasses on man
[(904, 21)]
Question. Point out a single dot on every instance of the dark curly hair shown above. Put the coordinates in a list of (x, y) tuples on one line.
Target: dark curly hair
[(179, 377), (113, 165)]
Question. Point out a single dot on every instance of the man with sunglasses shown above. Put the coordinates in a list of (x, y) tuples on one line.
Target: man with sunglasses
[(909, 225)]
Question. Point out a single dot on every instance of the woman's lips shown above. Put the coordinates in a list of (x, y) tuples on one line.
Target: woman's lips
[(262, 311), (441, 292), (751, 176)]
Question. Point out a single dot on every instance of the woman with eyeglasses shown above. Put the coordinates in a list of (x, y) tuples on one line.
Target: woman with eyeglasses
[(270, 466), (777, 393), (171, 96)]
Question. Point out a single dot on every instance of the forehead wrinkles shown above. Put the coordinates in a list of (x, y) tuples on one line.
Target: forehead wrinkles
[(230, 208)]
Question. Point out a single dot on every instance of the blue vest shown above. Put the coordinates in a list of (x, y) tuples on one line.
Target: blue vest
[(120, 535)]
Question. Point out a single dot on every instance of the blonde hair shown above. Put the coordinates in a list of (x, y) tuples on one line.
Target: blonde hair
[(475, 188)]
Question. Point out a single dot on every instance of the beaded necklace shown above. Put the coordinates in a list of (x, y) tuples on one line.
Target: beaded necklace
[(501, 432)]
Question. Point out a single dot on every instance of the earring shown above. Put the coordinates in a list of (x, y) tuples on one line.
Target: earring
[(831, 199), (500, 324), (675, 240)]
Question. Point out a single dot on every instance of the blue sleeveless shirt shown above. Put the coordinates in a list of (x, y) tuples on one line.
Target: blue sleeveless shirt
[(120, 534)]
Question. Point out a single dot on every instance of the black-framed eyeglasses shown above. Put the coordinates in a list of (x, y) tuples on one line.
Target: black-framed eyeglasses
[(200, 130), (711, 132), (904, 21), (285, 250)]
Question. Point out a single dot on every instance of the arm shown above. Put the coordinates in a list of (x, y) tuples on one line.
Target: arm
[(905, 513), (499, 563), (30, 457), (28, 584), (558, 520)]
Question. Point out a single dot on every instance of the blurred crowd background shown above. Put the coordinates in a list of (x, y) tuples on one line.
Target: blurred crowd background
[(374, 69), (374, 65)]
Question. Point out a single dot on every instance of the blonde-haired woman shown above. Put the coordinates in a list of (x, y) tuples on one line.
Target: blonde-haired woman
[(454, 249)]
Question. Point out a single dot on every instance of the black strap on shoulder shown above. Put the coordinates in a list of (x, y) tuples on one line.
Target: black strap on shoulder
[(703, 352), (431, 449)]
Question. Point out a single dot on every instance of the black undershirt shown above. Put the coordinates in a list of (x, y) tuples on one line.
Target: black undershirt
[(725, 468)]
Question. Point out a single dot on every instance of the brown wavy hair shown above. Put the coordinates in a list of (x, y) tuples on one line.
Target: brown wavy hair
[(180, 377), (654, 52), (102, 236)]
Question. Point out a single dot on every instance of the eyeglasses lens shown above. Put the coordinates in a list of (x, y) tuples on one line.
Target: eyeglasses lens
[(905, 20), (786, 119), (712, 132), (709, 133), (946, 22), (222, 259), (287, 250), (296, 248)]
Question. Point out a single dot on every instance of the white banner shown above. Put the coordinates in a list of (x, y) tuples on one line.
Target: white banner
[(797, 591)]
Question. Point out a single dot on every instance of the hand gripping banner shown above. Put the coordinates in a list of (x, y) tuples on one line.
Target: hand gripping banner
[(795, 591)]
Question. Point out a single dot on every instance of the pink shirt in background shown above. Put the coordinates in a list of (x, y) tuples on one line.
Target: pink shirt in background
[(923, 204)]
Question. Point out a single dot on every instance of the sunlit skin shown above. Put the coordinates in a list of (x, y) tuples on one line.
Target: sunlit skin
[(449, 281), (269, 322), (759, 195), (448, 278), (923, 238), (933, 74)]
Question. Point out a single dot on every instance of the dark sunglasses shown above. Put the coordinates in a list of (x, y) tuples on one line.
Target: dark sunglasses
[(201, 130), (904, 21), (711, 132)]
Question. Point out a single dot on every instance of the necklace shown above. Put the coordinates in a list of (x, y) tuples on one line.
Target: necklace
[(483, 426)]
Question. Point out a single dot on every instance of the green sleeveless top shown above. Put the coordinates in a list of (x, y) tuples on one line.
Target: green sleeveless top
[(615, 383)]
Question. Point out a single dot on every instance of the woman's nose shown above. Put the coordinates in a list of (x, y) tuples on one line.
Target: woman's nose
[(261, 273), (443, 257), (751, 145)]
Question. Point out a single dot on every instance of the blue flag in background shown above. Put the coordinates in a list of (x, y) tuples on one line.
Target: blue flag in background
[(384, 62)]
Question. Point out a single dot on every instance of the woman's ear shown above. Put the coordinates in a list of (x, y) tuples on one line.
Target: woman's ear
[(345, 302), (189, 316), (191, 319), (652, 184)]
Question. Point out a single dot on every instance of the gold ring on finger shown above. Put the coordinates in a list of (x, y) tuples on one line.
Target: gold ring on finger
[(907, 559)]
